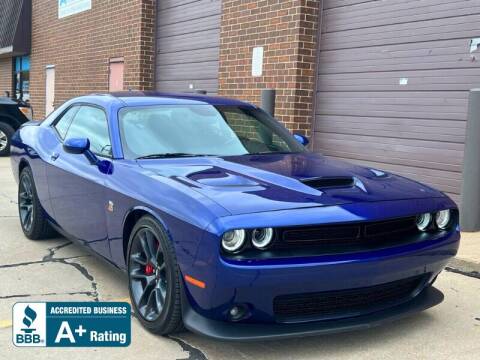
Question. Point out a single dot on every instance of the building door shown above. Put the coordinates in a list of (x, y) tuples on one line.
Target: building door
[(116, 75), (393, 81), (49, 89), (188, 43)]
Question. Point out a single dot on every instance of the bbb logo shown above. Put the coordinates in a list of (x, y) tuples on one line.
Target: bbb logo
[(29, 321), (28, 336)]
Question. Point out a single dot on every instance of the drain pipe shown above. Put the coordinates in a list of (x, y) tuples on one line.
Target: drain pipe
[(268, 101)]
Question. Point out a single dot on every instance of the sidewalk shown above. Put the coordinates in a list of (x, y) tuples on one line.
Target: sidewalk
[(470, 247), (467, 261)]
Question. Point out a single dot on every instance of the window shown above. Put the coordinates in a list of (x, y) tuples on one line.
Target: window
[(21, 78), (91, 123), (63, 124), (256, 135)]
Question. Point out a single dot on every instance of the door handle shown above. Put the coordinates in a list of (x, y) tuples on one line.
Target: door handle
[(54, 156)]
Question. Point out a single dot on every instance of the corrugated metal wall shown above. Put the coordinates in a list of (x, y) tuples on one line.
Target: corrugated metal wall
[(393, 85), (188, 39)]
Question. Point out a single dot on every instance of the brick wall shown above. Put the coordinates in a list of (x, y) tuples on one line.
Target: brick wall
[(5, 76), (287, 29), (80, 46)]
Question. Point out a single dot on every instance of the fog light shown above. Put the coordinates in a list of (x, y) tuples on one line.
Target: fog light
[(234, 312), (442, 219), (423, 221), (238, 312), (233, 240), (261, 238)]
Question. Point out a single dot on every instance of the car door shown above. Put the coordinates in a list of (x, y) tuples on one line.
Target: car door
[(76, 187)]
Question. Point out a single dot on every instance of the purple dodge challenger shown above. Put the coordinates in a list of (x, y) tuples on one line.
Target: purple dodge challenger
[(224, 223)]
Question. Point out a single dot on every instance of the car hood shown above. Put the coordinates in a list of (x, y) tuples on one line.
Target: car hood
[(258, 183)]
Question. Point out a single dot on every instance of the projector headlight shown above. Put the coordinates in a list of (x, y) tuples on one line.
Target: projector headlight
[(261, 238), (233, 240), (423, 221), (442, 219)]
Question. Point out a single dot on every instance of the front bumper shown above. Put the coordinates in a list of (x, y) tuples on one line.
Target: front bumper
[(257, 284), (221, 330)]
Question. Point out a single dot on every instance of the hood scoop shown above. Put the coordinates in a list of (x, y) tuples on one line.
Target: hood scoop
[(320, 183)]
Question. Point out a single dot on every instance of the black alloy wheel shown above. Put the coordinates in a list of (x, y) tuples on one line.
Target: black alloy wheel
[(33, 218), (148, 274), (154, 278), (25, 203)]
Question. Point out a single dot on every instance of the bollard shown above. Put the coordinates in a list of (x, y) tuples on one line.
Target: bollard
[(470, 208), (268, 101)]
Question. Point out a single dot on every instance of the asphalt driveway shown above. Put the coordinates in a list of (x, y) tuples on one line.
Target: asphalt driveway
[(59, 270)]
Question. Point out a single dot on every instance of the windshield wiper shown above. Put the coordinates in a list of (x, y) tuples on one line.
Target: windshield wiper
[(169, 155)]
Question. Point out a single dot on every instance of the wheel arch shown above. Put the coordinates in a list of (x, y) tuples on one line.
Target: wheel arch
[(10, 120), (131, 218), (22, 165)]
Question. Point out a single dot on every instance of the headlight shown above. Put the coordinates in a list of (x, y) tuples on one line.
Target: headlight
[(233, 240), (423, 221), (442, 219), (261, 238)]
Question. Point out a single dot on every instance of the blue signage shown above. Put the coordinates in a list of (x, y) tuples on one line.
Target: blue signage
[(72, 324), (71, 7)]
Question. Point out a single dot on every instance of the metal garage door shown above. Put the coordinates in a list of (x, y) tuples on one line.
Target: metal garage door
[(188, 37), (393, 85)]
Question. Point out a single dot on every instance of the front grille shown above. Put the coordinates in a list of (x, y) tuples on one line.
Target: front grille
[(345, 303), (348, 237)]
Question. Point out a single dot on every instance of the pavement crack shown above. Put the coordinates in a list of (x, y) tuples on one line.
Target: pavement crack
[(193, 352), (88, 293), (53, 250), (472, 274), (49, 258), (83, 270), (79, 267), (6, 266)]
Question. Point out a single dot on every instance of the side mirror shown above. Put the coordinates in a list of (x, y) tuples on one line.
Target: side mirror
[(76, 145), (82, 146), (301, 139)]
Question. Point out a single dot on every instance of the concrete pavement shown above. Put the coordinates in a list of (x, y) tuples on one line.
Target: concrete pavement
[(470, 248), (59, 270)]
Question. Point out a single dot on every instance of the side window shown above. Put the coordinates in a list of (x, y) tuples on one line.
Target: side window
[(91, 123), (254, 134), (63, 124)]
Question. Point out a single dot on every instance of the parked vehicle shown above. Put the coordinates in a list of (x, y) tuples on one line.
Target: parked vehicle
[(13, 113), (225, 223)]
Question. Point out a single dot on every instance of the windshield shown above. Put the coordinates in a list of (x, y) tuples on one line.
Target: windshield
[(196, 130)]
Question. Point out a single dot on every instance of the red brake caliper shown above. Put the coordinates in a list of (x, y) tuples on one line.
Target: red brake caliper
[(149, 269)]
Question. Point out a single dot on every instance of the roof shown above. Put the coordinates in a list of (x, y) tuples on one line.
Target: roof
[(15, 27), (139, 98)]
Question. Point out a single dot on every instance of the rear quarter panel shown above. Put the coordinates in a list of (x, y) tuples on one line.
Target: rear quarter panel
[(30, 145)]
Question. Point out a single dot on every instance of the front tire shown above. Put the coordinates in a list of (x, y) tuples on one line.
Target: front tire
[(34, 223), (6, 133), (154, 278)]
